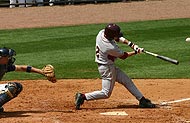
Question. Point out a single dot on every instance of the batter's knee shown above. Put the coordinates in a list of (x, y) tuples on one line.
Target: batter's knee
[(12, 89), (106, 94)]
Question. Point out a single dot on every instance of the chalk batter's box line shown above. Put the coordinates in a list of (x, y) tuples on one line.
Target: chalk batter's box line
[(175, 101)]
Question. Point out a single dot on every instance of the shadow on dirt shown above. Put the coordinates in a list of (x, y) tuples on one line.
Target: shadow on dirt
[(119, 107), (18, 114), (25, 113), (132, 106), (127, 106)]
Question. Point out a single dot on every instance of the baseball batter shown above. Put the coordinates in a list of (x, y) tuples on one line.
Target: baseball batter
[(107, 52), (10, 90)]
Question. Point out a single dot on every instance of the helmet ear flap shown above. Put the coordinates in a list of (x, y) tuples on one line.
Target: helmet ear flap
[(117, 38), (120, 34)]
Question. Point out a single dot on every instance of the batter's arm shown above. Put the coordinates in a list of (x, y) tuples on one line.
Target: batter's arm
[(131, 44), (131, 53), (128, 54), (124, 40)]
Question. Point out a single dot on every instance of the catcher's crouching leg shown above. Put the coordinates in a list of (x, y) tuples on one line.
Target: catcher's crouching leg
[(12, 89)]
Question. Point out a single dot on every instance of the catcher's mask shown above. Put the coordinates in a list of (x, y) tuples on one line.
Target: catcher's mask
[(4, 52), (112, 31)]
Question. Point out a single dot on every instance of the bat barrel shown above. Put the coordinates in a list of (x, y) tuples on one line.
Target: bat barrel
[(168, 59), (163, 57)]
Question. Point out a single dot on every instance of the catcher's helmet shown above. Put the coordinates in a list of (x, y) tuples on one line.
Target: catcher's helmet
[(7, 52), (112, 30), (4, 52)]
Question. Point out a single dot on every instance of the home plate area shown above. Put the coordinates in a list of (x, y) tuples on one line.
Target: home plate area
[(115, 113)]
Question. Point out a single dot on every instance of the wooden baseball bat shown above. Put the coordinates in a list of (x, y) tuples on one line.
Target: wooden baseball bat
[(162, 57)]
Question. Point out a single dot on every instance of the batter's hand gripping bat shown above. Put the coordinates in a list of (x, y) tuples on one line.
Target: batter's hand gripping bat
[(162, 57)]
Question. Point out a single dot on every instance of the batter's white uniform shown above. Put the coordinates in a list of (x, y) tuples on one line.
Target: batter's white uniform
[(106, 53), (2, 87)]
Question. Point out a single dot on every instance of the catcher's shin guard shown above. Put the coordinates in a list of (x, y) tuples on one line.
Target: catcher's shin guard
[(12, 89)]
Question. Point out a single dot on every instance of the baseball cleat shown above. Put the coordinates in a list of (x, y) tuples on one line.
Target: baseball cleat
[(146, 103), (79, 100)]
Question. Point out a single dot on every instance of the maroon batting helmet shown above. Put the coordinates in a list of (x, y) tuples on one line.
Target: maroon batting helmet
[(112, 30)]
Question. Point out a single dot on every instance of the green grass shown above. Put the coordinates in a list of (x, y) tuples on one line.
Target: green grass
[(71, 49)]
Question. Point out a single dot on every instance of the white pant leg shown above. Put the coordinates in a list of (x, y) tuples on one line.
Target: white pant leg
[(123, 79), (21, 2), (108, 75), (2, 87), (12, 2)]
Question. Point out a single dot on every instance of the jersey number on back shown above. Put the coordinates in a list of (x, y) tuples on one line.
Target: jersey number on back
[(97, 52)]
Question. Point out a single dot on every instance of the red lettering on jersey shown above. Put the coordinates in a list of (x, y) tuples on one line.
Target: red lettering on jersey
[(97, 51)]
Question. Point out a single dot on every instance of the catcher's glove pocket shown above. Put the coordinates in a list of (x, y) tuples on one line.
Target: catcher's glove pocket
[(49, 73)]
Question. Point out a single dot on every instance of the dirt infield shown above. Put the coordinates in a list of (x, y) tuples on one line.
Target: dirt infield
[(45, 102)]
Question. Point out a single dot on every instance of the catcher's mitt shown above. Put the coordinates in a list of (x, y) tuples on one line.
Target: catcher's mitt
[(48, 71)]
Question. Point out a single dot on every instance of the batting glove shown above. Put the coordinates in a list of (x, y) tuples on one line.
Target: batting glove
[(136, 47), (139, 50)]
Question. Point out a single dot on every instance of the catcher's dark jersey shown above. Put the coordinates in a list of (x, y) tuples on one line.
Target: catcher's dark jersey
[(6, 68)]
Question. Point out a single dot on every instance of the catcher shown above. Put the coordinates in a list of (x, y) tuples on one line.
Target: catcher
[(11, 90)]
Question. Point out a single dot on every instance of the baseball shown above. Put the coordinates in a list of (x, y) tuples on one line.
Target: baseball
[(187, 39)]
